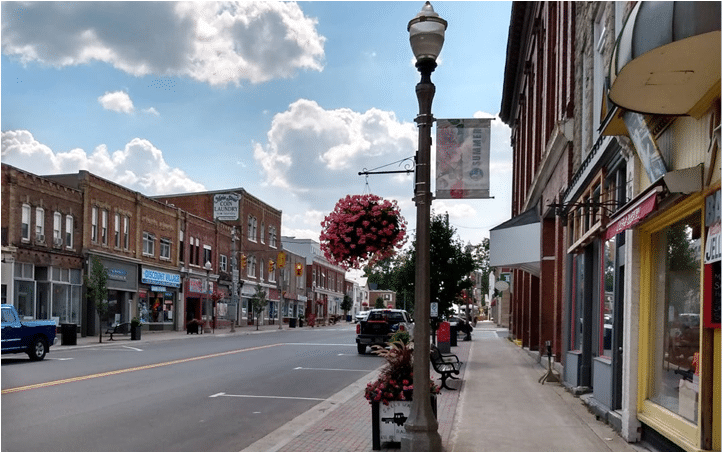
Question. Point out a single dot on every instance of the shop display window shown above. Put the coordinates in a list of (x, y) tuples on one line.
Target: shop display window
[(677, 301)]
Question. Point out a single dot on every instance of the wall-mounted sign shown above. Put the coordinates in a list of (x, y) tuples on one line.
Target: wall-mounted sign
[(645, 145), (117, 274), (156, 277), (226, 207), (463, 159)]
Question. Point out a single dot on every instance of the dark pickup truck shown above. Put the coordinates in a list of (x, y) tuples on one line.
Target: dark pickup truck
[(379, 324), (33, 337)]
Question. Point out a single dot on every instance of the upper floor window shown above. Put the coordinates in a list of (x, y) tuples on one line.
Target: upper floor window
[(126, 233), (117, 230), (207, 254), (251, 266), (261, 236), (94, 224), (57, 229), (252, 228), (149, 244), (69, 231), (272, 236), (39, 224), (25, 222), (222, 263), (104, 227), (181, 247), (165, 248)]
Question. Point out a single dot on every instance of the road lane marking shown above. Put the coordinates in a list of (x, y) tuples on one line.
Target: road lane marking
[(340, 370), (131, 369), (132, 348), (249, 396)]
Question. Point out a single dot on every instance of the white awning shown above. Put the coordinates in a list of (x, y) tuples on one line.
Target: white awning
[(516, 243)]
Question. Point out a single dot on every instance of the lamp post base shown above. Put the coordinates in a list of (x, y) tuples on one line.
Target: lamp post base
[(420, 441)]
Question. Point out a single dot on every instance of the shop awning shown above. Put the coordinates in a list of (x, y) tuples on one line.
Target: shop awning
[(667, 59), (516, 243), (638, 209)]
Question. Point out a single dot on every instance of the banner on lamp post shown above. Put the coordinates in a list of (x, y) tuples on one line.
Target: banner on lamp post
[(463, 159)]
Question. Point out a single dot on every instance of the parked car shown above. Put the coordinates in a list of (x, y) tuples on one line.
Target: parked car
[(462, 326), (379, 324), (33, 337), (360, 316)]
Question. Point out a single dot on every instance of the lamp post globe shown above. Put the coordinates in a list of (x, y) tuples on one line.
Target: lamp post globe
[(427, 34)]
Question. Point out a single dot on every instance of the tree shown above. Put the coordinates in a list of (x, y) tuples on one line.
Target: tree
[(481, 257), (379, 303), (258, 303), (97, 290), (346, 304), (450, 267)]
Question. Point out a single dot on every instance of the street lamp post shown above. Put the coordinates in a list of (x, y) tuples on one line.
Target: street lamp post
[(427, 34), (207, 325), (234, 281)]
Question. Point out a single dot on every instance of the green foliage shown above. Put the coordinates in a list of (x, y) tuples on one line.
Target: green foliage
[(258, 303), (346, 304), (401, 336), (97, 290), (379, 303)]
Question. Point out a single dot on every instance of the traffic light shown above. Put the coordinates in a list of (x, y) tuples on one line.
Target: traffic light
[(271, 266), (243, 261), (299, 269), (281, 260)]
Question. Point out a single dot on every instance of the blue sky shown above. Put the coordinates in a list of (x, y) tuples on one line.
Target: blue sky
[(287, 100)]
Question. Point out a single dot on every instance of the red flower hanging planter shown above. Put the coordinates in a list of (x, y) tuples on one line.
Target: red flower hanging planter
[(362, 229)]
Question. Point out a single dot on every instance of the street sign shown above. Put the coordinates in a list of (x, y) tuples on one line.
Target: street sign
[(433, 309)]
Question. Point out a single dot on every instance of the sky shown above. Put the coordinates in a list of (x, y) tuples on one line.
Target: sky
[(288, 100)]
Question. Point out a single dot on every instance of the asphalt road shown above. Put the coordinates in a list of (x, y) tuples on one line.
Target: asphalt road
[(209, 393)]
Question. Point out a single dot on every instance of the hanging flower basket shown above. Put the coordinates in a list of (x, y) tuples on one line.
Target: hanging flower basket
[(362, 229)]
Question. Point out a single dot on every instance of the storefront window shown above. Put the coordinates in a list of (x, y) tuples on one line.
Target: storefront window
[(25, 298), (607, 304), (676, 290), (577, 317)]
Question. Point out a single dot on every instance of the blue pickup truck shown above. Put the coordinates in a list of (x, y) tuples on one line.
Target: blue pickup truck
[(33, 337)]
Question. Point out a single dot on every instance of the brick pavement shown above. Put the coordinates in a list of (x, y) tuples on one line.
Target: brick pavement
[(348, 427)]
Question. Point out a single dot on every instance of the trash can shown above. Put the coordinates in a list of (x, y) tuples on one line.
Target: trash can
[(453, 335), (292, 322), (69, 334)]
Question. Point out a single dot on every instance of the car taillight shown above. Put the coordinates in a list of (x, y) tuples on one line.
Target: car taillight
[(359, 329), (402, 327)]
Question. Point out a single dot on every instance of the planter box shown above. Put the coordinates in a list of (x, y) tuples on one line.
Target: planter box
[(136, 332), (388, 421)]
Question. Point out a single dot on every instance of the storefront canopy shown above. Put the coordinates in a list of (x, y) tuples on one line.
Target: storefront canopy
[(667, 59), (516, 243)]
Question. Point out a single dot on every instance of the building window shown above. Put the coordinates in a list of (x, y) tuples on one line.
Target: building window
[(117, 230), (252, 228), (25, 222), (676, 309), (222, 262), (251, 266), (94, 224), (272, 273), (207, 254), (181, 246), (39, 224), (607, 303), (104, 227), (149, 243), (69, 231), (165, 248), (126, 233), (57, 229), (272, 236), (261, 236)]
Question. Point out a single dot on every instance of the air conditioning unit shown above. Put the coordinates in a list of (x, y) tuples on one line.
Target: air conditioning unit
[(58, 242), (39, 238)]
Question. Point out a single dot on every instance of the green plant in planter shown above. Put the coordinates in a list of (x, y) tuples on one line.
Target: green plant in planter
[(135, 322), (401, 336), (395, 379)]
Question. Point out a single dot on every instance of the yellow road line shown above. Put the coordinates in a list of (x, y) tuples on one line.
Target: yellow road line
[(131, 369)]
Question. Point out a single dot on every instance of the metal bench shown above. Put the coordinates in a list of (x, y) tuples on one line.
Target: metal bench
[(119, 328), (446, 365)]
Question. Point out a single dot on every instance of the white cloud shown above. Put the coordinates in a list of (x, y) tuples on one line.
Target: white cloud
[(139, 165), (152, 111), (212, 42), (118, 101)]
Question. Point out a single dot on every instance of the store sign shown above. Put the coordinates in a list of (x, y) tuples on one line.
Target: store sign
[(226, 207), (160, 278), (645, 145), (712, 252), (117, 274), (632, 216), (463, 159)]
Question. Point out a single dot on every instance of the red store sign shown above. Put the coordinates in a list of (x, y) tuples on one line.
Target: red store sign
[(632, 216)]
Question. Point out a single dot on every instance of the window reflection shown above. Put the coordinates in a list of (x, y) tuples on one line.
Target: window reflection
[(609, 259), (677, 298)]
